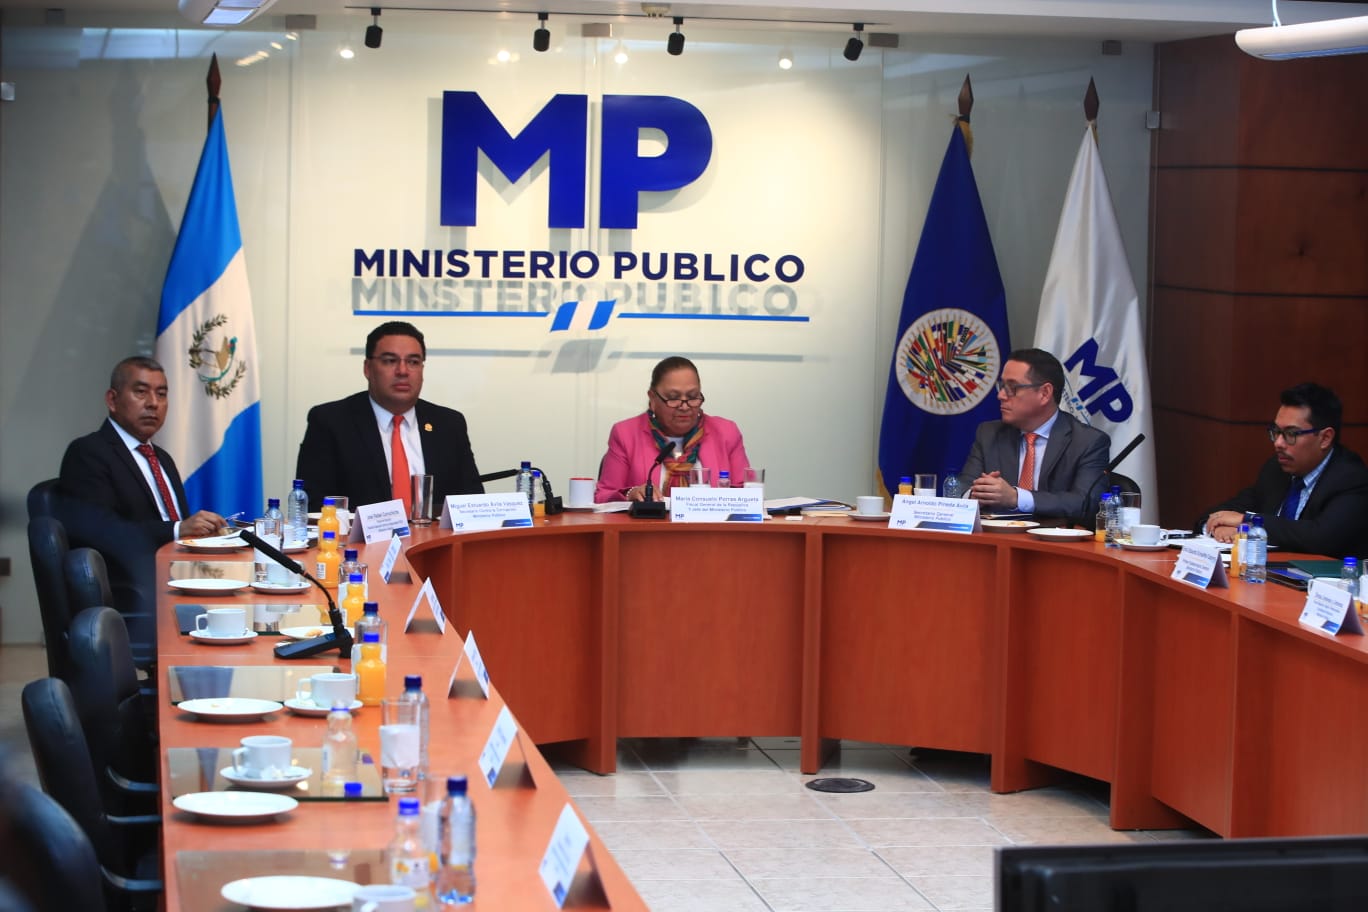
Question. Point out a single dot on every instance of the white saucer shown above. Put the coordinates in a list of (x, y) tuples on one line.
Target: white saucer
[(204, 636), (1008, 525), (866, 517), (1131, 546), (304, 633), (313, 709), (229, 709), (285, 892), (281, 588), (1062, 534), (239, 807), (212, 545), (295, 547), (207, 586), (293, 775)]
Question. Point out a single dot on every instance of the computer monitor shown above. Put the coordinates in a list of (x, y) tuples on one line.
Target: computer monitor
[(1231, 875)]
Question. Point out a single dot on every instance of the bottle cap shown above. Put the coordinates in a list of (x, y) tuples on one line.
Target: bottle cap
[(329, 502), (526, 466), (413, 682), (1257, 520), (273, 503), (299, 483), (1106, 496), (356, 578), (456, 785), (905, 479), (349, 554), (340, 707), (1244, 528), (370, 608), (330, 535), (352, 789), (1351, 562), (408, 807), (370, 636)]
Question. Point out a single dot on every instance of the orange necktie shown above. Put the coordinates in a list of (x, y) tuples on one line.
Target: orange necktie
[(400, 488), (1027, 480)]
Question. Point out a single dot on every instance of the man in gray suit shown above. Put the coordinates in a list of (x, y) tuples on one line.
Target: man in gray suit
[(1037, 459)]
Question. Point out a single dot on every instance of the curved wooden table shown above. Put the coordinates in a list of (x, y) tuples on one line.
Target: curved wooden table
[(1213, 706)]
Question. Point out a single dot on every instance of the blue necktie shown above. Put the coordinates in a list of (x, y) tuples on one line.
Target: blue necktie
[(1293, 499)]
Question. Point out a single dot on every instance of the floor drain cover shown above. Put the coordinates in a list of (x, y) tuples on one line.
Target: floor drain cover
[(844, 786)]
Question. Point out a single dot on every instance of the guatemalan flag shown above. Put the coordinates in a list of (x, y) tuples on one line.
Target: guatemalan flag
[(207, 343), (952, 335)]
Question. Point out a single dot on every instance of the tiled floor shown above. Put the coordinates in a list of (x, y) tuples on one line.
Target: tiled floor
[(727, 824)]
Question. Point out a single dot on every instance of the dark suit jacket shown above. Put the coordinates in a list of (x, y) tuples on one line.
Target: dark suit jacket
[(98, 471), (1071, 475), (341, 453), (1335, 518)]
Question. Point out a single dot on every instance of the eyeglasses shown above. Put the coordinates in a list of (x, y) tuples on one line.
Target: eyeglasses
[(1290, 435), (1011, 388), (679, 403), (390, 362)]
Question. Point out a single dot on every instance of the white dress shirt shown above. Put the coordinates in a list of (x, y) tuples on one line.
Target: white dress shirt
[(133, 443), (408, 432)]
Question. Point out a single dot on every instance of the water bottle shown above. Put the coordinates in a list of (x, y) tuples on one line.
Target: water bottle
[(724, 479), (1100, 528), (413, 693), (408, 859), (1349, 575), (525, 486), (455, 847), (1239, 551), (538, 494), (339, 752), (297, 515), (905, 484), (1256, 551), (1114, 521), (951, 486), (273, 510), (370, 622)]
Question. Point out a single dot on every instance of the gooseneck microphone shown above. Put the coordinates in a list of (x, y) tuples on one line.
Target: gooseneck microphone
[(649, 507), (340, 638)]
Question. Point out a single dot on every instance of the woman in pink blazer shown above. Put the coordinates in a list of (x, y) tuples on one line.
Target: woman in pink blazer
[(673, 424)]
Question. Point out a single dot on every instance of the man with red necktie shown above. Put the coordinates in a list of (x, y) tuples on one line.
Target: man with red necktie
[(366, 446)]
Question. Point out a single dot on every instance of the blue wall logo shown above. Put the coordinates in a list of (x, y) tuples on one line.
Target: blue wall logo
[(560, 131)]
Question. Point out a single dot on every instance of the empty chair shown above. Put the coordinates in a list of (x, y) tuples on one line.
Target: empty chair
[(48, 548), (48, 859), (1127, 484), (42, 499), (87, 581), (124, 846)]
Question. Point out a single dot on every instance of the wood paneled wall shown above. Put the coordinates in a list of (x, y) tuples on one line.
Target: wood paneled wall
[(1259, 276)]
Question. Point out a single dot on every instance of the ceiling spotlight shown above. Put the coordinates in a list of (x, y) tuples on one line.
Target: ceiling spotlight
[(675, 45), (786, 59), (620, 54), (541, 38), (855, 45), (373, 31), (346, 52)]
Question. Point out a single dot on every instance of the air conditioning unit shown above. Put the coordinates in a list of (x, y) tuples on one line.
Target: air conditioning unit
[(222, 12), (1328, 38)]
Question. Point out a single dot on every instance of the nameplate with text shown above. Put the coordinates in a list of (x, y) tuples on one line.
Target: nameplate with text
[(1330, 608), (472, 652), (396, 546), (495, 752), (379, 521), (481, 512), (563, 853), (1200, 566), (427, 596), (717, 504), (934, 514)]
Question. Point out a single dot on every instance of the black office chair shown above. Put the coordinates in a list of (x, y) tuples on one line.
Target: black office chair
[(48, 548), (51, 863), (125, 847), (42, 498), (116, 716), (1128, 485), (87, 580)]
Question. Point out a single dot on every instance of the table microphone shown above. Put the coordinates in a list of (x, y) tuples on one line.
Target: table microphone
[(650, 508), (340, 638)]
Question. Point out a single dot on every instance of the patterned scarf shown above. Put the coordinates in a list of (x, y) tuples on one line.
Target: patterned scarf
[(677, 470)]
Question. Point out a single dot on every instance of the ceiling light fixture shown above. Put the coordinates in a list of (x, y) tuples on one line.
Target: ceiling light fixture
[(675, 45), (620, 54), (346, 52), (222, 12), (855, 46), (541, 38), (1327, 38), (786, 59), (374, 33)]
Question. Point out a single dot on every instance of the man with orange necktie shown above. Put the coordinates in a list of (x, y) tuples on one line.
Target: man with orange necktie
[(366, 446), (1037, 459)]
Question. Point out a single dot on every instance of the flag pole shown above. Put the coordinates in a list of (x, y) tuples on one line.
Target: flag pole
[(212, 81)]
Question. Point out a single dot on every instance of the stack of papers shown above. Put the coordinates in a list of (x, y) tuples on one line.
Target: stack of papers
[(805, 504)]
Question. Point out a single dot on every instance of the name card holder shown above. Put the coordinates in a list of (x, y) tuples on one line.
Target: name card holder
[(379, 521), (481, 673), (494, 755), (427, 595), (935, 514), (1200, 566), (1330, 609), (561, 863), (396, 546), (717, 504), (481, 512)]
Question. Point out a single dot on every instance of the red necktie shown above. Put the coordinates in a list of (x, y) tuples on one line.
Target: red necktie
[(400, 488), (162, 487), (1027, 480)]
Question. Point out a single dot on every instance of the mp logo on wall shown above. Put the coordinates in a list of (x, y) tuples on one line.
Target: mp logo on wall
[(583, 290)]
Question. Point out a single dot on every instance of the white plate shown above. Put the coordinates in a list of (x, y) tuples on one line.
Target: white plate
[(315, 517), (296, 548), (1132, 546), (217, 543), (866, 517), (1062, 534), (293, 775), (281, 588), (1008, 525), (313, 709), (204, 636), (304, 633), (229, 709), (285, 892), (207, 586), (235, 806)]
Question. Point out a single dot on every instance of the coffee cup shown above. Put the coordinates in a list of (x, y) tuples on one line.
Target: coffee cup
[(869, 505), (384, 898), (582, 492), (1146, 534), (222, 622), (263, 757), (327, 690)]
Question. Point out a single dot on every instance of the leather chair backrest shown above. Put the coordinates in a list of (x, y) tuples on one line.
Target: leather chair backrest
[(60, 871), (87, 579), (48, 548), (42, 498), (1128, 485), (104, 685)]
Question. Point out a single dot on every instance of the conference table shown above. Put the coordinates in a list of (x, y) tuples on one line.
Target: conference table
[(345, 839), (1206, 705)]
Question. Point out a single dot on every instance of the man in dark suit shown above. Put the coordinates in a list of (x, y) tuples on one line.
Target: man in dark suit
[(1037, 459), (1313, 491), (349, 445)]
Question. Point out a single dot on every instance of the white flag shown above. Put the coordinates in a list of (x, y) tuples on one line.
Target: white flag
[(1090, 319)]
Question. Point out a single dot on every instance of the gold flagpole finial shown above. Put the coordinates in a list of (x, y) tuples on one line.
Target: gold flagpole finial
[(966, 106), (1090, 105)]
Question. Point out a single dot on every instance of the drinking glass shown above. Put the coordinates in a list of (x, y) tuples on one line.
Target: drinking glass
[(924, 485), (952, 486), (421, 489)]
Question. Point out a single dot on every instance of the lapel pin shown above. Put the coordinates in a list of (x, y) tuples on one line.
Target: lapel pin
[(427, 427)]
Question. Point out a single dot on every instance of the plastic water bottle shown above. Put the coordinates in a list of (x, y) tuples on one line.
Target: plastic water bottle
[(1349, 575), (455, 847), (1100, 528), (525, 485), (723, 479), (297, 515), (413, 693), (407, 857), (339, 752), (1256, 551), (1114, 521), (951, 486), (273, 509), (538, 494), (1239, 551), (370, 622)]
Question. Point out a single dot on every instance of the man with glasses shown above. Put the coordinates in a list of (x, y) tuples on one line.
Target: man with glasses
[(1038, 459), (366, 446), (1313, 491)]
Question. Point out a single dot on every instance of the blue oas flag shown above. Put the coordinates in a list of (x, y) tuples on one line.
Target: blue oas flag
[(952, 335), (207, 343)]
